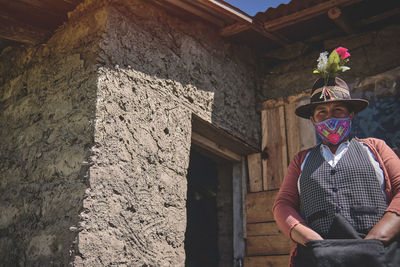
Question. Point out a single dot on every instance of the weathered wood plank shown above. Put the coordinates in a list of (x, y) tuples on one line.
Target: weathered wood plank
[(255, 172), (267, 228), (274, 142), (228, 10), (234, 29), (32, 15), (267, 261), (233, 142), (292, 130), (194, 10), (305, 14), (306, 129), (238, 219), (52, 6), (276, 37), (20, 32), (206, 143), (380, 16), (259, 206), (274, 103), (337, 16), (268, 245)]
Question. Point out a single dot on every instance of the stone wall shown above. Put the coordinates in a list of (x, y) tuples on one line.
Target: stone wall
[(155, 72), (372, 53), (47, 109)]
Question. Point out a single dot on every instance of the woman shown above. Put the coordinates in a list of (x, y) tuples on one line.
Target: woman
[(340, 201)]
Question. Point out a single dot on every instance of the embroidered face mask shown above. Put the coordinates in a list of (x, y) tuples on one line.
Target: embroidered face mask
[(333, 130)]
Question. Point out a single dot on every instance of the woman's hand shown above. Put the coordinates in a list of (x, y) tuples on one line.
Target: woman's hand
[(302, 234), (386, 229)]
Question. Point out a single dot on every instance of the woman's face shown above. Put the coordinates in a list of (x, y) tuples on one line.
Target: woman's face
[(331, 110)]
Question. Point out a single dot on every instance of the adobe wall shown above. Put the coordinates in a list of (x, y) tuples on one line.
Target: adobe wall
[(47, 108), (372, 53), (155, 72)]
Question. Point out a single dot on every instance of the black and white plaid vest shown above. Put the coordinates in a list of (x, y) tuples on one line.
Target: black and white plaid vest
[(350, 188)]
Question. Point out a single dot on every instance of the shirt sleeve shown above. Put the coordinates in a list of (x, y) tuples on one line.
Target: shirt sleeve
[(287, 203), (391, 163)]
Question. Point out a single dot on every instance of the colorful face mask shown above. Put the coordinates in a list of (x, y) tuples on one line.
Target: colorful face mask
[(333, 130)]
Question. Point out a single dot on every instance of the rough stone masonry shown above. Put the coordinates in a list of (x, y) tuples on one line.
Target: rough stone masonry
[(95, 134)]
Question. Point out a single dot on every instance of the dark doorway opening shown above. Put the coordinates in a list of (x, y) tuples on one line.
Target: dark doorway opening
[(202, 226)]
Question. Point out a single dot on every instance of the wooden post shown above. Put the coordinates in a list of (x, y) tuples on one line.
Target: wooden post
[(238, 218)]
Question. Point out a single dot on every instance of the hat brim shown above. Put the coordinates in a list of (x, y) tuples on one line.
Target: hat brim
[(306, 111)]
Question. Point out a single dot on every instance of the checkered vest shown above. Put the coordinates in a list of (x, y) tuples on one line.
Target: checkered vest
[(350, 188)]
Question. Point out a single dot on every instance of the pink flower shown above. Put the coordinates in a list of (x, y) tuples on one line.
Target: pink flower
[(342, 52)]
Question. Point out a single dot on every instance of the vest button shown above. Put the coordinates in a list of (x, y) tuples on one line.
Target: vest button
[(337, 209), (333, 172), (335, 189)]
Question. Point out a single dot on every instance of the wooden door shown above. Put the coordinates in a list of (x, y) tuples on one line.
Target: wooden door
[(283, 135)]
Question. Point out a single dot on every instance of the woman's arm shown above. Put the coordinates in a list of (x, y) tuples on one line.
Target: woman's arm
[(287, 205), (302, 234), (389, 226)]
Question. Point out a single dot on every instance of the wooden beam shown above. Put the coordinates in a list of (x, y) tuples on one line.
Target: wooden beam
[(215, 148), (57, 7), (193, 10), (305, 14), (43, 17), (276, 37), (241, 27), (228, 10), (21, 32), (341, 20), (234, 29), (233, 142), (380, 16)]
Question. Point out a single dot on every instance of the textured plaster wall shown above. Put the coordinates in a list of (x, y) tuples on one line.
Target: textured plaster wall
[(372, 53), (96, 134), (47, 107), (155, 72)]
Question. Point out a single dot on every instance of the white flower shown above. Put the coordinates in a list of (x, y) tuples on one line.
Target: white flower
[(322, 62), (344, 68)]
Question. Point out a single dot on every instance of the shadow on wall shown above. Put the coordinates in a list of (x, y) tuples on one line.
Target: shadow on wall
[(382, 117), (189, 61)]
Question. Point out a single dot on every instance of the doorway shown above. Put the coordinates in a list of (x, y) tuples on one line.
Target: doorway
[(208, 239)]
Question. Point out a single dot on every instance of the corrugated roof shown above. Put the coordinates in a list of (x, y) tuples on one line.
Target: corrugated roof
[(286, 9)]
